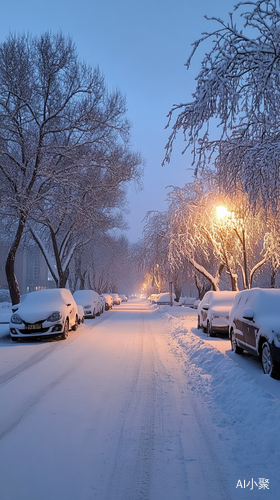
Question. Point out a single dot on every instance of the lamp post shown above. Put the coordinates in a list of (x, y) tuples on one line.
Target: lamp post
[(223, 213)]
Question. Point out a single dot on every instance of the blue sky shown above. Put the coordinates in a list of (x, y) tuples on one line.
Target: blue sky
[(141, 47)]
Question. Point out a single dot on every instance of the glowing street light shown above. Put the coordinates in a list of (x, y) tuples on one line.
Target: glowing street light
[(223, 213)]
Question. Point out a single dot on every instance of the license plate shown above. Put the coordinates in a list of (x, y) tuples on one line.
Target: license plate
[(34, 327)]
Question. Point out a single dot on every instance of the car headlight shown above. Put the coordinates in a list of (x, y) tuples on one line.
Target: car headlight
[(15, 318), (55, 316), (278, 336)]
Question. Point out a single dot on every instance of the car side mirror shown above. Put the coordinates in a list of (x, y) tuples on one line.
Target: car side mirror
[(248, 313), (15, 308), (205, 307)]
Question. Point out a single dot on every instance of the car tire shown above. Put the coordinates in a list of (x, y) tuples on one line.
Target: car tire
[(75, 327), (209, 330), (66, 330), (235, 347), (198, 323), (268, 365)]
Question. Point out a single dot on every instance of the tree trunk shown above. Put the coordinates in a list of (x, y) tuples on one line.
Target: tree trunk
[(273, 277), (10, 263), (202, 288), (63, 277), (234, 282), (177, 287)]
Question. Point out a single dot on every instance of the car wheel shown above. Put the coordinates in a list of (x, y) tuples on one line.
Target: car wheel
[(234, 347), (268, 364), (198, 323), (209, 330), (66, 330), (75, 327)]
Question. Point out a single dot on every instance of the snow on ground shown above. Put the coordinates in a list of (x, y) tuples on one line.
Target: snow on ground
[(137, 405), (245, 402)]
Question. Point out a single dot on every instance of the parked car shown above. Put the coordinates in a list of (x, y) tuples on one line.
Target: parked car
[(90, 302), (116, 299), (103, 303), (153, 297), (81, 314), (108, 301), (123, 298), (213, 312), (44, 313), (255, 326)]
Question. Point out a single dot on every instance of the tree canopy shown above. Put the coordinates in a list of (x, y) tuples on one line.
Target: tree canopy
[(233, 119), (59, 125)]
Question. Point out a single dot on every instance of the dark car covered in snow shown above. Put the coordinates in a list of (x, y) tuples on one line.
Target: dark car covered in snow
[(254, 326)]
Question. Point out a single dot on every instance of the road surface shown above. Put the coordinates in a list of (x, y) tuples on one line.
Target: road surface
[(107, 414)]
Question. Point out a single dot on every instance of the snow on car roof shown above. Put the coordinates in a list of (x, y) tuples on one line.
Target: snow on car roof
[(262, 300), (165, 297), (48, 296), (220, 296), (40, 304), (85, 295)]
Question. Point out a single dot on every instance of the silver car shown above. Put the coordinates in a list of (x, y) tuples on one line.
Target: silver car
[(213, 312)]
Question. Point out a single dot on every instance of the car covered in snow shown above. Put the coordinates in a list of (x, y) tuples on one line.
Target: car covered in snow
[(108, 301), (81, 314), (123, 297), (116, 299), (213, 312), (103, 303), (90, 301), (44, 313), (254, 326)]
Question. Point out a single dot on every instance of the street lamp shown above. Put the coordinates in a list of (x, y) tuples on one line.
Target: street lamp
[(223, 213)]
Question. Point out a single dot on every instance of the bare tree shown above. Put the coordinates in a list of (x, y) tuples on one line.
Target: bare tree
[(232, 239), (238, 89), (56, 119)]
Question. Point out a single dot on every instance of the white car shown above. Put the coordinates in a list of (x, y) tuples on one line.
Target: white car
[(81, 314), (116, 299), (44, 313), (123, 298), (89, 300), (213, 312), (103, 303), (108, 301)]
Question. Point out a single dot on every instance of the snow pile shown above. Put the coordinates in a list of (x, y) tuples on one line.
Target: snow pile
[(5, 312), (246, 412)]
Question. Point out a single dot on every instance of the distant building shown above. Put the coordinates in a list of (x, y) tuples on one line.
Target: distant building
[(30, 268)]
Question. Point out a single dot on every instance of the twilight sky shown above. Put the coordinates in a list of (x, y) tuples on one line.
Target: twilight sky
[(141, 47)]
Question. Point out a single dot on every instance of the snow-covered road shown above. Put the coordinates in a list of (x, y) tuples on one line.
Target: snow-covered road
[(123, 410)]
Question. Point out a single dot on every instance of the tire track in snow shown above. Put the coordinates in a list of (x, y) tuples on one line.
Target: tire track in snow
[(44, 353), (131, 475), (140, 481), (16, 419)]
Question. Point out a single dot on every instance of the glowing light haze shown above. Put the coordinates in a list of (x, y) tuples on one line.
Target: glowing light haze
[(141, 46)]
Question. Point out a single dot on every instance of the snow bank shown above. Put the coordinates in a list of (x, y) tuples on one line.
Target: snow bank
[(5, 312), (244, 410)]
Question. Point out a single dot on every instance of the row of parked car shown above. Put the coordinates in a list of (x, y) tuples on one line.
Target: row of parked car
[(251, 319), (53, 312)]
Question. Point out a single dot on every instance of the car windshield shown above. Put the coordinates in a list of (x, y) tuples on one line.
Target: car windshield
[(224, 299)]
